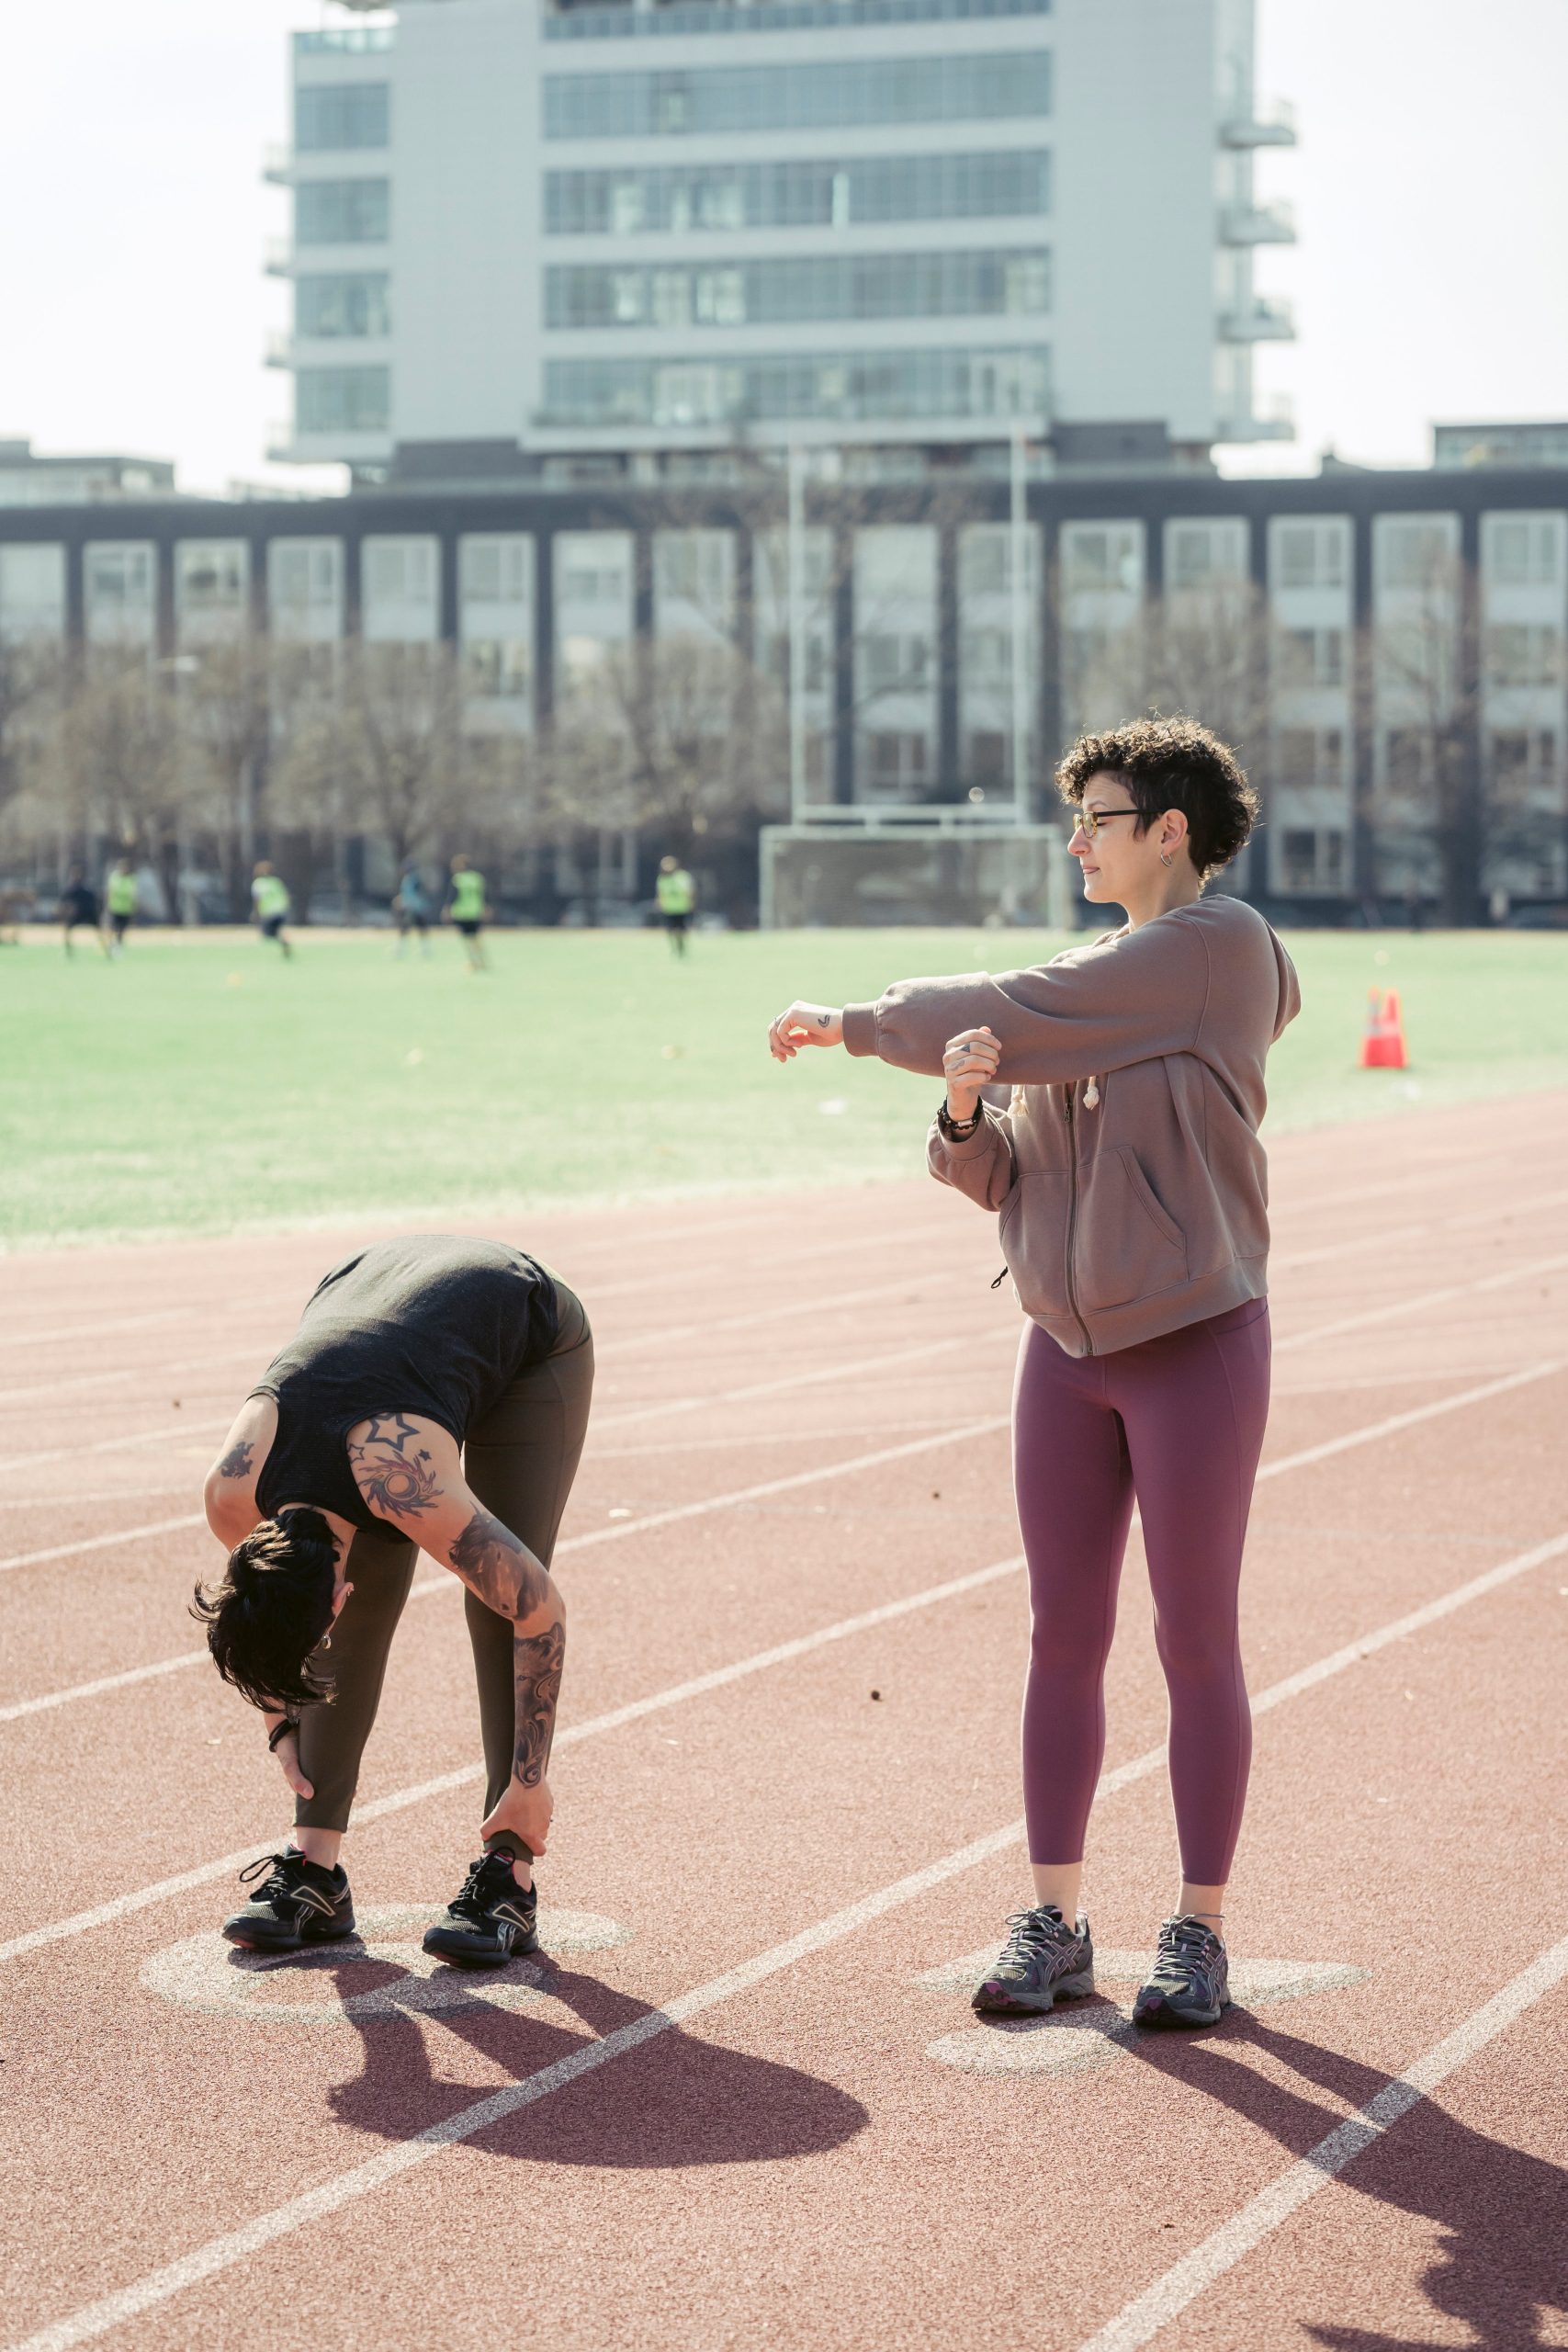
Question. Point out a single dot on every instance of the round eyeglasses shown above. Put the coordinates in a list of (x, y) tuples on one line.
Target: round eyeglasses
[(1090, 819)]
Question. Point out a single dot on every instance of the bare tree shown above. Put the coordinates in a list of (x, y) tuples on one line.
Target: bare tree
[(32, 672), (122, 768), (1425, 795), (225, 702)]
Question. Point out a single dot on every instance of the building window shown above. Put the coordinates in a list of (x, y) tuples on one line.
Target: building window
[(495, 568), (1100, 557), (1312, 656), (802, 288), (895, 662), (304, 576), (341, 114), (1311, 555), (32, 591), (1202, 555), (810, 194), (950, 382), (1415, 552), (342, 212), (1521, 655), (399, 571), (498, 667), (342, 399), (897, 763), (1524, 550), (343, 304), (119, 586), (211, 575), (613, 22), (1408, 760), (818, 95)]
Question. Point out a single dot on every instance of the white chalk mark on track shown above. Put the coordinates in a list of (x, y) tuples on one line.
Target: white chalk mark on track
[(220, 2254), (1139, 2321)]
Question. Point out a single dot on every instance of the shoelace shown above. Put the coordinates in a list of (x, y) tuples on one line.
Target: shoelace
[(283, 1880), (482, 1887), (1031, 1935), (1189, 1948)]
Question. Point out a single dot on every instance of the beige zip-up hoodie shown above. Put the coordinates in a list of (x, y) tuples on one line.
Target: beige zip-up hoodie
[(1131, 1184)]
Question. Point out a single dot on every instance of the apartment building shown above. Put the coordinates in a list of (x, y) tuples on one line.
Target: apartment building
[(534, 236)]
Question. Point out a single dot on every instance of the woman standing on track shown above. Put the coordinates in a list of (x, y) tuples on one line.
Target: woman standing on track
[(1131, 1189), (434, 1398)]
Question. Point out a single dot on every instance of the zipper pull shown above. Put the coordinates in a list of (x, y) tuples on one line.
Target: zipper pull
[(1000, 1279)]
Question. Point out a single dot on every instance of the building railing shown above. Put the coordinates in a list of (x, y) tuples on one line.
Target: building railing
[(911, 816), (279, 349), (346, 41), (623, 23), (1265, 319), (278, 162), (1259, 224), (1272, 418), (1273, 124), (277, 257)]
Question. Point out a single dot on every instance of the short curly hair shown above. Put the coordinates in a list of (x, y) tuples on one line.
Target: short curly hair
[(1171, 764)]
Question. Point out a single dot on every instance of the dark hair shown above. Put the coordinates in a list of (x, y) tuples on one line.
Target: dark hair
[(1171, 764), (271, 1609)]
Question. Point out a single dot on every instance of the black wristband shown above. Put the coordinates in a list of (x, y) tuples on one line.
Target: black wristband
[(280, 1731), (958, 1130)]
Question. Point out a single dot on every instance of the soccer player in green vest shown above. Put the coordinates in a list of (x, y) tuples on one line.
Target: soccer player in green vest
[(120, 902), (677, 898), (269, 897), (464, 908)]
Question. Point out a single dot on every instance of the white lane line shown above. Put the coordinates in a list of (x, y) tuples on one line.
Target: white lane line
[(445, 1582), (220, 2254), (1348, 1248), (117, 1444), (1421, 1300), (672, 1517), (1139, 2321), (100, 1543), (465, 1776)]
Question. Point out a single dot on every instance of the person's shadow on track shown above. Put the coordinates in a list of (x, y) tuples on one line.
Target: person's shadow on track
[(675, 2100), (1503, 2215)]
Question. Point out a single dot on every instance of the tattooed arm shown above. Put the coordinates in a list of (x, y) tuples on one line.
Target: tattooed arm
[(411, 1474), (229, 1494)]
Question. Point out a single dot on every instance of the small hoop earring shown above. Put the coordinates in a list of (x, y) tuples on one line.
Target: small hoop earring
[(1165, 859)]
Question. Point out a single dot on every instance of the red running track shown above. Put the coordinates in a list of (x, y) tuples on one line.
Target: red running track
[(747, 2104)]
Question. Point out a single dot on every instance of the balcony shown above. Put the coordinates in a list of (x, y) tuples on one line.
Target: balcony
[(1273, 125), (280, 442), (279, 349), (346, 41), (1258, 224), (277, 164), (277, 257), (1263, 319), (1273, 419)]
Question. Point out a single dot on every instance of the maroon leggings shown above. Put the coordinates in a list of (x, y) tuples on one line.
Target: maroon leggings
[(1176, 1422)]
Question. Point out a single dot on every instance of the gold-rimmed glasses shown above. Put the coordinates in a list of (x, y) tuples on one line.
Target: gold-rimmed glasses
[(1088, 821)]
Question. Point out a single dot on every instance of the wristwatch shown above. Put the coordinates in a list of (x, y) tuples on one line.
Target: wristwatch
[(958, 1130)]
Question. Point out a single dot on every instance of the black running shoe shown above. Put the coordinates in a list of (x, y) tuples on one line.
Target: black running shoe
[(300, 1904), (1042, 1959), (1189, 1983), (491, 1921)]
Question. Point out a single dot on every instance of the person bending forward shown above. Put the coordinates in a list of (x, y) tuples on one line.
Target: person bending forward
[(1130, 1185), (434, 1398)]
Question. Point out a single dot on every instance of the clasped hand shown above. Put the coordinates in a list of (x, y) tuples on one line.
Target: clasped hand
[(968, 1062)]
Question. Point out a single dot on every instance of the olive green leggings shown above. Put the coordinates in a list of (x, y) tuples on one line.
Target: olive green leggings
[(520, 1463)]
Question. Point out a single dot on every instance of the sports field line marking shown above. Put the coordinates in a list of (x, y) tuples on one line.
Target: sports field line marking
[(444, 1581), (1139, 2321), (1279, 1261), (617, 1534), (220, 2254), (605, 1350), (1375, 1315)]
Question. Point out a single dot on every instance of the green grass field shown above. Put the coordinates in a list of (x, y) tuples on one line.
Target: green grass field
[(201, 1085)]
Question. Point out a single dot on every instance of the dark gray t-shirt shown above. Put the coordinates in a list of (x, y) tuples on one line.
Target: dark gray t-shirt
[(430, 1325)]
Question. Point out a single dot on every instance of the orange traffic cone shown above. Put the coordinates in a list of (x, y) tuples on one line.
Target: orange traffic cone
[(1383, 1043)]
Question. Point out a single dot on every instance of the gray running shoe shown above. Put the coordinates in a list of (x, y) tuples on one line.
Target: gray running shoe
[(1043, 1958), (1189, 1983)]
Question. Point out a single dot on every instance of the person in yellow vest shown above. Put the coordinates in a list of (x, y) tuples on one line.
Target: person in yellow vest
[(677, 899), (464, 910), (269, 899), (120, 902)]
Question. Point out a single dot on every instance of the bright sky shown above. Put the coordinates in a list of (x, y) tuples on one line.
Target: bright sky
[(1431, 189)]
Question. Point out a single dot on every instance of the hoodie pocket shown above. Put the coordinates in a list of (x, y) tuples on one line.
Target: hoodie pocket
[(1127, 1248), (1032, 1229)]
